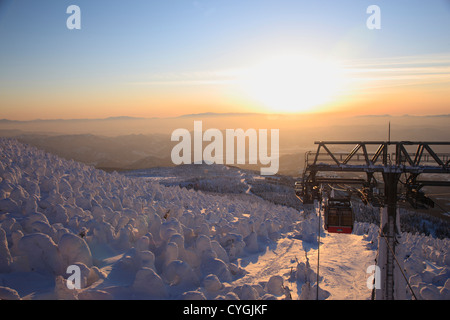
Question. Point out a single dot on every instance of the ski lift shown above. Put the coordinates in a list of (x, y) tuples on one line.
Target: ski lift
[(298, 188), (339, 216)]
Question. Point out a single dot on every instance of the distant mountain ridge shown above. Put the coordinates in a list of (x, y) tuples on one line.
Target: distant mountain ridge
[(127, 143), (217, 114)]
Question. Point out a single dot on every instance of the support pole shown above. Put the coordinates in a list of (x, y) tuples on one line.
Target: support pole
[(318, 253), (389, 228)]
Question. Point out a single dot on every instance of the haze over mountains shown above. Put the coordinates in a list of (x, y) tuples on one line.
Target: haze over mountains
[(121, 143)]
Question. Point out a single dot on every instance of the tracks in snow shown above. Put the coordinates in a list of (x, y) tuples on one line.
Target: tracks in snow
[(343, 263)]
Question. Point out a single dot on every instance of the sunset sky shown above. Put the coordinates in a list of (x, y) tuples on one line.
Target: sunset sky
[(158, 58)]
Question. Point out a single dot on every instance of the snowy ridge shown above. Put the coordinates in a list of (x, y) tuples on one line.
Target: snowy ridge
[(134, 238)]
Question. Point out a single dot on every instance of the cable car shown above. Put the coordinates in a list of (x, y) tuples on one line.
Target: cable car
[(339, 216)]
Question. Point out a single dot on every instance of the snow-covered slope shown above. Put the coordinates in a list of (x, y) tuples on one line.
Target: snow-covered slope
[(134, 238)]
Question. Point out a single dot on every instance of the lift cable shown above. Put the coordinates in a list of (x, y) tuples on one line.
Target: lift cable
[(395, 257), (337, 189), (318, 255), (440, 207), (374, 279), (402, 271)]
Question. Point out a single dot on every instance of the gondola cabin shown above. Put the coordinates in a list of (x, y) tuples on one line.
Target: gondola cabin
[(339, 217)]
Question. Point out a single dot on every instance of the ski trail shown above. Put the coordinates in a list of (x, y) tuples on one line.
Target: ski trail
[(344, 259), (275, 260), (343, 263)]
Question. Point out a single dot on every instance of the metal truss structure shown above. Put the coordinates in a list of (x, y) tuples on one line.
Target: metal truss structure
[(383, 172)]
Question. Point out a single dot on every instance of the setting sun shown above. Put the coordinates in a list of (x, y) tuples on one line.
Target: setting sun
[(293, 83)]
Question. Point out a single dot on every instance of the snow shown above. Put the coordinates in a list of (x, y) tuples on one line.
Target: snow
[(41, 254), (150, 235)]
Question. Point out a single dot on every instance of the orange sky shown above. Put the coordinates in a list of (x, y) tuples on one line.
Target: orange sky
[(236, 56), (367, 89)]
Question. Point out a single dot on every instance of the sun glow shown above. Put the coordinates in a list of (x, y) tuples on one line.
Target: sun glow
[(291, 83)]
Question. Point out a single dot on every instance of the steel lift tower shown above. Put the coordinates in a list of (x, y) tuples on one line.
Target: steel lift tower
[(384, 173)]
